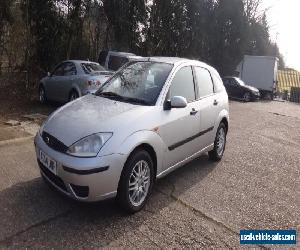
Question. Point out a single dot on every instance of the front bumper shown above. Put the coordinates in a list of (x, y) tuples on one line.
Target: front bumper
[(83, 179)]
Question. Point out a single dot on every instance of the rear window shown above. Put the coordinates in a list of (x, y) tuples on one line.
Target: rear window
[(102, 57), (218, 83), (204, 82), (89, 68)]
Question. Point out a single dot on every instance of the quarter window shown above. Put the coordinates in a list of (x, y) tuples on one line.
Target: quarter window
[(205, 85), (183, 84)]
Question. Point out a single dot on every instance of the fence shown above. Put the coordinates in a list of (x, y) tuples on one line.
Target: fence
[(289, 84)]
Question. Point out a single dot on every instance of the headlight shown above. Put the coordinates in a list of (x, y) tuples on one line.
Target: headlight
[(89, 146)]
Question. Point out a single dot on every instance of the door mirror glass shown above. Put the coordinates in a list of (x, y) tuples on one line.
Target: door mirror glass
[(178, 102)]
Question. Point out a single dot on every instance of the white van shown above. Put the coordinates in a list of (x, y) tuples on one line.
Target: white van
[(259, 72)]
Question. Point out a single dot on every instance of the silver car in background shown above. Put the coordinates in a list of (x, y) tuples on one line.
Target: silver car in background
[(150, 118), (72, 79)]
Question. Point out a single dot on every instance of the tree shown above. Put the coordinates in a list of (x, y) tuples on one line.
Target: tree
[(228, 40)]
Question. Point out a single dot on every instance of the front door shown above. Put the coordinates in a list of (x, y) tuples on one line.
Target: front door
[(181, 125), (53, 83)]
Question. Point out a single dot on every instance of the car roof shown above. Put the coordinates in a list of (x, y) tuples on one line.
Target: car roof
[(176, 60), (235, 77), (121, 53), (80, 61)]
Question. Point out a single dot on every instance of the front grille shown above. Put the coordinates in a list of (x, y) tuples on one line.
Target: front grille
[(52, 177), (53, 143), (80, 191)]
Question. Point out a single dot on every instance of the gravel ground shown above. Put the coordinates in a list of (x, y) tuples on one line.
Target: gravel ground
[(201, 205)]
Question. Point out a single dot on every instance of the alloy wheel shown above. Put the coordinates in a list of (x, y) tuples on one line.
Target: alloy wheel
[(73, 96), (42, 95), (247, 97), (139, 183)]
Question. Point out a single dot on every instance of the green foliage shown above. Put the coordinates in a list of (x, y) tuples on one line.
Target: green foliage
[(219, 32)]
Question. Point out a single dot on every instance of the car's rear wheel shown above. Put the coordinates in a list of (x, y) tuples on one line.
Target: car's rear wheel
[(42, 95), (73, 95), (136, 181), (247, 97), (219, 144)]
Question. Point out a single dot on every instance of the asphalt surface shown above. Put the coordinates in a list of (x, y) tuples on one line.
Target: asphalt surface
[(201, 205)]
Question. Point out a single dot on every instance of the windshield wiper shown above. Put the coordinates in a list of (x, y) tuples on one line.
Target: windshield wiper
[(136, 100), (109, 94), (123, 98)]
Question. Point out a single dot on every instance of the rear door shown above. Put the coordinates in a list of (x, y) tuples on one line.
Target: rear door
[(207, 104)]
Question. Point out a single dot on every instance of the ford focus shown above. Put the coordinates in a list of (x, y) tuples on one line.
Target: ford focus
[(150, 118)]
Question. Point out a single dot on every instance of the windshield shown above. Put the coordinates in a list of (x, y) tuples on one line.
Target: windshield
[(139, 82), (89, 68), (240, 82)]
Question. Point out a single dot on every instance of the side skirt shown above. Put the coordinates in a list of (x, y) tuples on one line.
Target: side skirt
[(186, 160)]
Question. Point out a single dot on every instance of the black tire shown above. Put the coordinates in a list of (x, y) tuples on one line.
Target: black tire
[(216, 154), (73, 95), (247, 97), (42, 95), (124, 196)]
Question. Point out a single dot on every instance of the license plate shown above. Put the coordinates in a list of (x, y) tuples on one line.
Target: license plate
[(48, 162)]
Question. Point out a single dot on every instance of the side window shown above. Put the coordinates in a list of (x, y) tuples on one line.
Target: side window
[(69, 69), (59, 70), (116, 62), (204, 82), (183, 84)]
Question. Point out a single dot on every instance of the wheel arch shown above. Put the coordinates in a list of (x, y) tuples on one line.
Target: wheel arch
[(225, 121), (147, 140), (149, 149)]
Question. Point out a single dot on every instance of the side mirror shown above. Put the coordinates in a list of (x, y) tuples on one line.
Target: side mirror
[(178, 102), (48, 74)]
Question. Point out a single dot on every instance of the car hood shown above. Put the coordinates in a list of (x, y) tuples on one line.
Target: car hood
[(251, 88), (88, 115)]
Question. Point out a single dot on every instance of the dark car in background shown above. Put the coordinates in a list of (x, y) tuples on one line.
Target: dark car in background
[(237, 89), (114, 60)]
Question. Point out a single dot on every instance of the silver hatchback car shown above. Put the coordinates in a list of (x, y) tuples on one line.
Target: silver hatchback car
[(150, 118)]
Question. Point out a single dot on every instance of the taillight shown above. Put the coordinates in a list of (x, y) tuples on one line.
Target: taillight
[(91, 83)]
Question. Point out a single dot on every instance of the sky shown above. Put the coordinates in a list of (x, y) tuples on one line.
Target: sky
[(284, 20)]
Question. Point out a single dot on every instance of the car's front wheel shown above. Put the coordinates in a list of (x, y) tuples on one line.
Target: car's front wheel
[(219, 144), (136, 181)]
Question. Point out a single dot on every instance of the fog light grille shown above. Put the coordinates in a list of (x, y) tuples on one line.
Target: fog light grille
[(80, 191)]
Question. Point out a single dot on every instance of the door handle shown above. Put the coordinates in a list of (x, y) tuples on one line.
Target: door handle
[(215, 102), (193, 112)]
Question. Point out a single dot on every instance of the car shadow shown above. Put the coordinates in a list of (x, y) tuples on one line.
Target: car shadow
[(29, 207)]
